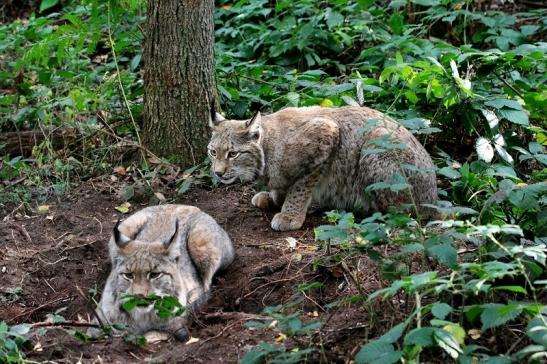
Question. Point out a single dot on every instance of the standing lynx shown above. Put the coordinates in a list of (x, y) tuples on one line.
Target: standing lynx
[(328, 155), (168, 250)]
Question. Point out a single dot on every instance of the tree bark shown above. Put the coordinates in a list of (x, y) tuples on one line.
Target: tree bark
[(179, 78)]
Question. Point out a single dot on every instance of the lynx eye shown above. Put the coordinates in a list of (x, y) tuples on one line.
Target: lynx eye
[(154, 275), (233, 154), (128, 276), (213, 152)]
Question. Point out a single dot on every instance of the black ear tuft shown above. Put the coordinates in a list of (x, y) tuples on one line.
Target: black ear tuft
[(214, 117), (120, 239), (174, 237), (213, 111), (116, 232), (256, 116)]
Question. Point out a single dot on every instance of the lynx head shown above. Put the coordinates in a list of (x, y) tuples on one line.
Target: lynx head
[(236, 148), (141, 269)]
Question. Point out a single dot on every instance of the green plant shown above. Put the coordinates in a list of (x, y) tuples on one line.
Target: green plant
[(165, 306), (12, 340), (287, 325)]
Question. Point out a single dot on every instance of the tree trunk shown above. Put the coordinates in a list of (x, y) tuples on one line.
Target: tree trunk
[(179, 78)]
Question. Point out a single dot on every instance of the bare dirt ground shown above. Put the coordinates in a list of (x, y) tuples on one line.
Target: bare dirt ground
[(50, 260)]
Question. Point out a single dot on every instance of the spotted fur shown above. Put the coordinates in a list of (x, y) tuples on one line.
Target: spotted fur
[(325, 155), (168, 250)]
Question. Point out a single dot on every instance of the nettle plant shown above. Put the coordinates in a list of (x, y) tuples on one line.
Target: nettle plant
[(286, 321), (486, 269), (488, 276), (12, 342), (58, 69)]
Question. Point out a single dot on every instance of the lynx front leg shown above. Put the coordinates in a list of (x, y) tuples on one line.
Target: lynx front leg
[(268, 200), (293, 212)]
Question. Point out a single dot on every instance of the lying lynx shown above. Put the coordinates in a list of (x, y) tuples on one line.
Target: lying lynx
[(168, 250), (329, 155)]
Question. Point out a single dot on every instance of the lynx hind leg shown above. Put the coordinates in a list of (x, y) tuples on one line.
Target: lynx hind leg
[(268, 200), (210, 248), (423, 187)]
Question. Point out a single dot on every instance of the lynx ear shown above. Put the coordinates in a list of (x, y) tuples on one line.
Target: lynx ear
[(254, 125), (214, 117), (171, 246), (120, 239)]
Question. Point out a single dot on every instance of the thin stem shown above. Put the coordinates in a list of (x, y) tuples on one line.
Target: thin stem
[(124, 96)]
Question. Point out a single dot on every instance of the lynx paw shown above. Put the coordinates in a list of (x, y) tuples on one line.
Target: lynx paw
[(285, 222), (262, 200)]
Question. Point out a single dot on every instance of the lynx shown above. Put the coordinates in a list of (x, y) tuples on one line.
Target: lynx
[(325, 155), (168, 250)]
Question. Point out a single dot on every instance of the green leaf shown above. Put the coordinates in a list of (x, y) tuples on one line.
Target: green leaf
[(497, 360), (516, 289), (501, 103), (309, 286), (334, 19), (449, 172), (46, 4), (444, 253), (326, 232), (135, 62), (293, 98), (254, 356), (411, 248), (168, 306), (457, 331), (515, 116), (378, 352), (396, 22), (294, 326), (528, 30), (427, 2), (20, 329), (440, 310), (420, 336), (535, 148), (447, 342), (496, 314), (394, 333), (537, 331)]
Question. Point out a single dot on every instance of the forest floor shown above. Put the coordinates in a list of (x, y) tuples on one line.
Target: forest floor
[(51, 259)]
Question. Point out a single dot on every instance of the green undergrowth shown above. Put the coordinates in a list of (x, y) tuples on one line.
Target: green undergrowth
[(468, 78)]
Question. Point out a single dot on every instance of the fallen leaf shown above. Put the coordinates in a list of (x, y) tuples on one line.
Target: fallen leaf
[(155, 337), (292, 242), (296, 258), (159, 196), (192, 340), (42, 208), (474, 333), (123, 208), (120, 170), (326, 103)]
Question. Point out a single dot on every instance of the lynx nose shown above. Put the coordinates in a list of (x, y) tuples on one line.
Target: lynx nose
[(220, 171)]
